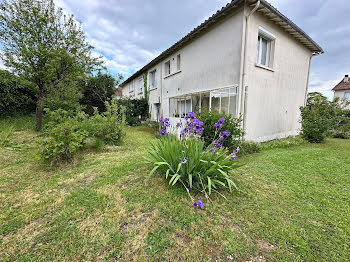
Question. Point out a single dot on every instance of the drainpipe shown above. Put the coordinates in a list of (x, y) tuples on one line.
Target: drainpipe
[(308, 76), (244, 89)]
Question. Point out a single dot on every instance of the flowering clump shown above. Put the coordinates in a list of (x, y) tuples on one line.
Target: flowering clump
[(164, 124), (193, 126), (188, 161)]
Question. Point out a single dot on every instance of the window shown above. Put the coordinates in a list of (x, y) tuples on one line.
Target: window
[(265, 48), (152, 77), (167, 68), (178, 60), (347, 95), (140, 86)]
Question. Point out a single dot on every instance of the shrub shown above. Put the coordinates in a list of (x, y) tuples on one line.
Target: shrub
[(282, 143), (16, 95), (188, 161), (66, 131), (134, 110), (246, 147), (341, 127), (231, 124), (318, 115), (107, 127), (63, 136)]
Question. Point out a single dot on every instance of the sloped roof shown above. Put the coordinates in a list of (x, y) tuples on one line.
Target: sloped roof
[(267, 9), (342, 85)]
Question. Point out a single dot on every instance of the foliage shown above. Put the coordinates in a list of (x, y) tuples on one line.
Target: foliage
[(246, 147), (189, 162), (16, 94), (107, 127), (98, 89), (65, 96), (341, 127), (318, 116), (44, 46), (231, 124), (282, 143), (63, 135), (6, 130), (66, 131), (134, 109)]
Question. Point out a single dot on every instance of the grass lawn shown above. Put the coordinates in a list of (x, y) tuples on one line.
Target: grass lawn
[(293, 205)]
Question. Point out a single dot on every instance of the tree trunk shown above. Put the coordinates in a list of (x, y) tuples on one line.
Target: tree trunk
[(39, 113)]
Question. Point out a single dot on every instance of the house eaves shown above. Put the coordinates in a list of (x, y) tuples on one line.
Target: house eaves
[(267, 9)]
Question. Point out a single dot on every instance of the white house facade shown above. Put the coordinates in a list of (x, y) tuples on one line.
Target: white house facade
[(247, 60)]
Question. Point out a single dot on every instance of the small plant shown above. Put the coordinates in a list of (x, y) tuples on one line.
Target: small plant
[(6, 130), (187, 161), (246, 147)]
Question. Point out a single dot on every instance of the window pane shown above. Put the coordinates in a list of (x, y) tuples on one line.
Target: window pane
[(224, 100), (264, 52), (347, 95)]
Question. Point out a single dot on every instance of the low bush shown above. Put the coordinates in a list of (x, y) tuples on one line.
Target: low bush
[(189, 162), (135, 109), (341, 128), (107, 127), (233, 125), (63, 136), (246, 147), (318, 116), (282, 143), (66, 131)]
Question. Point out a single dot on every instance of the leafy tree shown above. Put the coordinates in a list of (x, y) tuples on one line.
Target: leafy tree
[(44, 46), (97, 90), (16, 94)]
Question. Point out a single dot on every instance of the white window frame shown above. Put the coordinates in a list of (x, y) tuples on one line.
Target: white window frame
[(140, 85), (167, 68), (178, 62), (347, 96), (153, 82), (270, 38)]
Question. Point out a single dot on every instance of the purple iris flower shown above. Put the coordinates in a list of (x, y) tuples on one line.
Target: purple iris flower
[(199, 203), (233, 158), (178, 124), (191, 115), (221, 120), (184, 161), (163, 132), (217, 126), (189, 188)]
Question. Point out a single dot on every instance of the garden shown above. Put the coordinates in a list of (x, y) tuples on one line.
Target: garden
[(85, 176)]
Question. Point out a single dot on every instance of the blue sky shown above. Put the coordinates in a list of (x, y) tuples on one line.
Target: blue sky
[(130, 33)]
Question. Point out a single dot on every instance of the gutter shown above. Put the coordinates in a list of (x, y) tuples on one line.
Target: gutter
[(244, 88)]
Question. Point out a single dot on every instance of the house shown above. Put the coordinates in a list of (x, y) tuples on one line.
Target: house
[(342, 90), (247, 59)]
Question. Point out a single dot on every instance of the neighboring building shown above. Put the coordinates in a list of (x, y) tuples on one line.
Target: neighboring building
[(118, 93), (342, 90), (247, 59)]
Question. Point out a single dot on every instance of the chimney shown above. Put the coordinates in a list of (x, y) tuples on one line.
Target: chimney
[(346, 78)]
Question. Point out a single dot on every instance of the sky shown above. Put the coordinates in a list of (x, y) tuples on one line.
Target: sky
[(130, 33)]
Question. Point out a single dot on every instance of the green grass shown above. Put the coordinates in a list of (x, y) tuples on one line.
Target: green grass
[(293, 205)]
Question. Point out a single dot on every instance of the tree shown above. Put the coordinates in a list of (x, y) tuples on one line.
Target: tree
[(98, 89), (44, 46), (16, 94)]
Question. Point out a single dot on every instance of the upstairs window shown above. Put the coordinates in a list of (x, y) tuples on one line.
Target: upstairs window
[(152, 78), (140, 85), (167, 68), (347, 95), (178, 62), (265, 48)]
